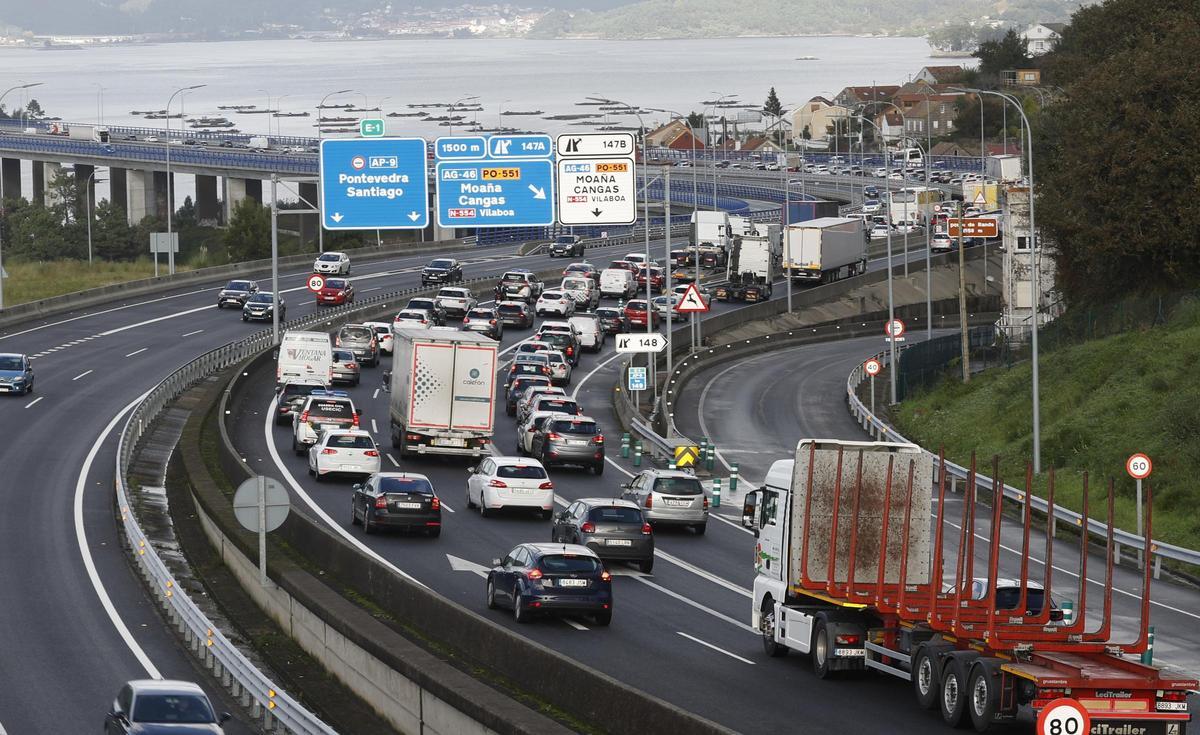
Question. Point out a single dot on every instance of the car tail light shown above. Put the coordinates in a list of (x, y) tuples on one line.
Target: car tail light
[(466, 320), (381, 502), (1173, 695), (304, 417), (497, 483), (491, 321), (349, 365), (337, 341), (554, 436), (547, 485), (605, 576), (650, 501), (424, 321), (588, 527), (706, 503), (598, 439), (327, 450), (847, 640), (371, 453), (534, 574), (646, 529), (355, 420), (570, 351), (435, 504)]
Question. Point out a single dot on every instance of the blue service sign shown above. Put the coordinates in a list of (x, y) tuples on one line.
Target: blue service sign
[(638, 379), (519, 146), (491, 193), (460, 148), (374, 184)]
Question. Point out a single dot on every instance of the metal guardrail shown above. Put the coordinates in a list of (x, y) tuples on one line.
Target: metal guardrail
[(880, 429)]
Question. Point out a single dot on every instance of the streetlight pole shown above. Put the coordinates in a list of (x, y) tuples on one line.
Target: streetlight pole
[(170, 183), (454, 106), (99, 102), (891, 299), (88, 189), (277, 115), (320, 130), (928, 229)]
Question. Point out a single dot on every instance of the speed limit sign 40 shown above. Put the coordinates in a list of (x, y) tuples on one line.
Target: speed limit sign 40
[(872, 367), (1139, 466), (316, 283), (1064, 717)]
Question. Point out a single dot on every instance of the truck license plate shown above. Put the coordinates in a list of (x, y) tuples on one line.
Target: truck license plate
[(444, 442), (849, 652)]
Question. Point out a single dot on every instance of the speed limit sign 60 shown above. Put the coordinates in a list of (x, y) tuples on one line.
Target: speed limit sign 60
[(1139, 466), (1064, 717), (872, 367), (316, 283)]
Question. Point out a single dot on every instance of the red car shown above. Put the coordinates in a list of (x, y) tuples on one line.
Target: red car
[(335, 292), (658, 279), (635, 314)]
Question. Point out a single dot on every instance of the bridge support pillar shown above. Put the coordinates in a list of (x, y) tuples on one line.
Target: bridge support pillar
[(50, 171), (141, 199), (10, 170), (117, 193), (85, 175), (208, 210), (308, 222), (238, 189), (161, 182)]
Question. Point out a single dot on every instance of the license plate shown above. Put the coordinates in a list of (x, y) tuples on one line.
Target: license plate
[(577, 442), (677, 503), (349, 467), (849, 652), (523, 491), (442, 442), (618, 542), (1172, 706), (4, 388), (407, 505), (330, 426), (572, 583)]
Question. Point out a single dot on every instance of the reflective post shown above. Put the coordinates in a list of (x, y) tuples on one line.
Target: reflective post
[(716, 493)]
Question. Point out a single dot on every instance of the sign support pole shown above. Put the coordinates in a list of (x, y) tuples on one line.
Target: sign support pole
[(1141, 549), (274, 259), (872, 395), (667, 290), (262, 528), (962, 305)]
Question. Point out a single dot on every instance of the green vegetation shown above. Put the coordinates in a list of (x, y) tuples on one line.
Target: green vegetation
[(30, 281), (1102, 400)]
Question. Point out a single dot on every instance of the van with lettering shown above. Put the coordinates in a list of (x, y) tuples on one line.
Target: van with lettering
[(304, 357)]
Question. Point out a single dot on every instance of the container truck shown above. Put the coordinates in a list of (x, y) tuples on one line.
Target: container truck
[(443, 392), (710, 237), (850, 570), (804, 211), (259, 143), (94, 133), (1005, 167), (825, 250), (753, 263)]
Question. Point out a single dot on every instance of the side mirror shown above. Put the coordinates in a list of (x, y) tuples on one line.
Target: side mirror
[(626, 485), (561, 516), (358, 412), (749, 506), (357, 487), (495, 562), (278, 389), (225, 717), (472, 470)]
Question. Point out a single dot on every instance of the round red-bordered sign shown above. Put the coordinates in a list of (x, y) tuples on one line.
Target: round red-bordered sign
[(894, 328), (358, 163), (872, 367), (1139, 466), (316, 282), (1064, 717)]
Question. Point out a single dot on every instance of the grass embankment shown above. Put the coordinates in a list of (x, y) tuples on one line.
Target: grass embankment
[(40, 280), (1101, 401)]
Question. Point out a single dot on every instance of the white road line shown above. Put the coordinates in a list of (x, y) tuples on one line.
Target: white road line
[(672, 559), (85, 549), (27, 405), (393, 459), (268, 426), (573, 624), (446, 507), (738, 526), (189, 334), (593, 371), (697, 605), (2, 730), (77, 377), (135, 325), (376, 288), (137, 352), (375, 394), (374, 427), (715, 648), (704, 397)]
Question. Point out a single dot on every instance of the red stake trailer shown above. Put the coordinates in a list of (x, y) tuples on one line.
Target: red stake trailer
[(848, 572)]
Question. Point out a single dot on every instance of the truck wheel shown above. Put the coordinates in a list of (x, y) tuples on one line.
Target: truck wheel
[(954, 693), (925, 678), (821, 651), (766, 628), (984, 690)]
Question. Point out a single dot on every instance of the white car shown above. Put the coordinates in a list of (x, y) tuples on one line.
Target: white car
[(528, 427), (554, 302), (510, 482), (332, 262), (555, 325), (880, 231), (383, 335), (639, 258), (413, 318), (871, 206), (665, 306), (560, 367), (343, 452), (591, 334), (531, 393), (879, 172), (583, 290), (941, 242), (455, 301)]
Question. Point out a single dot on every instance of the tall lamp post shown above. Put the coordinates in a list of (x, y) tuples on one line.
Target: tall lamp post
[(891, 299), (501, 123), (88, 193), (320, 130), (455, 105), (2, 96), (170, 183)]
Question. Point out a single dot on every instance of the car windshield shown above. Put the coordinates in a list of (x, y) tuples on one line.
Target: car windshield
[(615, 514), (511, 309), (480, 314), (351, 441), (262, 297), (330, 257), (569, 564), (565, 238), (575, 284), (521, 384), (10, 363), (442, 264), (555, 357), (337, 410), (513, 277), (181, 708), (538, 358), (343, 356), (291, 390), (356, 333), (335, 283), (558, 339), (561, 405), (420, 304), (381, 329), (238, 286), (582, 428), (521, 472), (636, 306), (411, 316), (552, 295), (405, 485), (678, 486), (532, 347), (452, 293)]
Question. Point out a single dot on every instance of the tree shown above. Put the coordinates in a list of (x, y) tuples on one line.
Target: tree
[(695, 120), (806, 133), (1010, 52), (112, 237), (248, 236), (966, 122), (33, 110), (773, 106)]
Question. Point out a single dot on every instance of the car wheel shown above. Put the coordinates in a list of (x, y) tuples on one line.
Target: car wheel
[(245, 318), (520, 614), (353, 513), (470, 503), (925, 678), (433, 531), (318, 476), (766, 629), (357, 380), (368, 526), (310, 471), (299, 450), (603, 618), (645, 566), (984, 695), (484, 511), (598, 468), (491, 594)]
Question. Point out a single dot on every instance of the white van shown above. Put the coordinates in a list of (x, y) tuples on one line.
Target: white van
[(304, 356), (584, 291), (639, 258), (617, 283)]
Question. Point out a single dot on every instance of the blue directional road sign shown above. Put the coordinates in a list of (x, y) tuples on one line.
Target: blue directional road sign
[(519, 146), (374, 184), (637, 379), (464, 147), (495, 193)]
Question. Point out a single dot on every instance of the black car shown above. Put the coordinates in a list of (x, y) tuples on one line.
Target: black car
[(551, 578), (516, 389), (401, 500), (515, 314), (235, 293), (611, 527), (612, 320), (442, 270), (517, 369), (291, 396), (567, 245), (430, 305), (562, 341), (260, 305)]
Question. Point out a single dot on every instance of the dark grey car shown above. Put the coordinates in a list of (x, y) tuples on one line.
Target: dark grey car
[(235, 293), (359, 339), (259, 306), (614, 529), (428, 304), (575, 440), (162, 707)]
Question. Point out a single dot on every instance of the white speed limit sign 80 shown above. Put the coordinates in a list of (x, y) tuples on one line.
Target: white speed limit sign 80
[(316, 283), (1064, 717)]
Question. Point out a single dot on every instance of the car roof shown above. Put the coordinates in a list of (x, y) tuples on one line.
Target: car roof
[(611, 502), (512, 303), (413, 312), (456, 289), (410, 475), (554, 324), (12, 354), (670, 473), (576, 549), (510, 461), (165, 685), (347, 432), (575, 417)]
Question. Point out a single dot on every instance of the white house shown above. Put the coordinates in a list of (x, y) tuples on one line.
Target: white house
[(1041, 37)]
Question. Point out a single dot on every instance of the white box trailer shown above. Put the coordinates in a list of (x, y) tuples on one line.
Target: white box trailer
[(443, 392), (304, 357), (1005, 167), (94, 133), (825, 249)]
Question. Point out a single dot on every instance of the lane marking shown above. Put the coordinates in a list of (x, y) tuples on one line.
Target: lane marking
[(137, 352), (715, 648), (735, 524), (444, 506), (85, 549), (268, 427), (374, 427), (77, 377), (27, 405), (697, 605), (393, 460), (189, 334), (375, 394), (703, 573)]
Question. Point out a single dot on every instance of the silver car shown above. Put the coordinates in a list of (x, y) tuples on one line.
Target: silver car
[(528, 428), (669, 497), (345, 367), (560, 367), (235, 293), (359, 339), (570, 440), (526, 400), (486, 320)]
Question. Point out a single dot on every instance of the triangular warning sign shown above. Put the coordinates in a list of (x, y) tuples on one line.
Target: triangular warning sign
[(979, 199), (692, 302)]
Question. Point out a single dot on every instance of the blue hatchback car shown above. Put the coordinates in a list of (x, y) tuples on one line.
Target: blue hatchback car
[(565, 579), (16, 373)]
